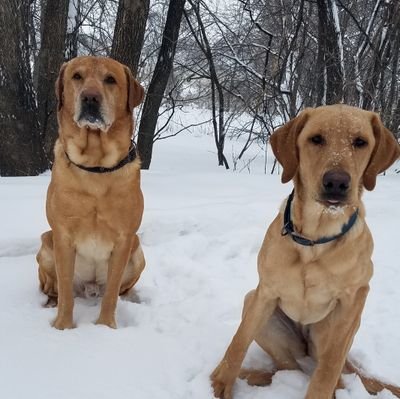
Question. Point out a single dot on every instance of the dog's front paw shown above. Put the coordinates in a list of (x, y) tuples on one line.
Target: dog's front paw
[(222, 380), (107, 321), (63, 323)]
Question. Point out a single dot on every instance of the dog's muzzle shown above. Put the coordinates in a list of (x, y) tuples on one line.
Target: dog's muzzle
[(90, 111)]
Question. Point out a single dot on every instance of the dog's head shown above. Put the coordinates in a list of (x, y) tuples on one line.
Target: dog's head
[(95, 92), (333, 151)]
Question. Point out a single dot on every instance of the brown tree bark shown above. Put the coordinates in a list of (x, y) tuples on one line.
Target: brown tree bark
[(129, 32), (21, 152), (51, 57), (159, 81), (329, 57)]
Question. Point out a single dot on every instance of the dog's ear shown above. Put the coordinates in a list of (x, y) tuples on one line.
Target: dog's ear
[(135, 90), (385, 152), (59, 86), (284, 145)]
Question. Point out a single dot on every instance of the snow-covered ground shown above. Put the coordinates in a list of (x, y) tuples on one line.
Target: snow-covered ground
[(201, 232)]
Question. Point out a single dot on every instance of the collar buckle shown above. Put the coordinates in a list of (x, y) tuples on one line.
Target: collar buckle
[(285, 229)]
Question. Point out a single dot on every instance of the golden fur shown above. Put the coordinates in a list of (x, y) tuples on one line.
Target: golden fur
[(309, 300), (92, 248)]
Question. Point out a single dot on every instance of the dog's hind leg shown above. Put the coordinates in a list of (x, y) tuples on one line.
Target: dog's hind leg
[(372, 385), (282, 340), (47, 269), (132, 272)]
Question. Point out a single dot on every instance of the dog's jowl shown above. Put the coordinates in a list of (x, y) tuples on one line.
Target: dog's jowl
[(94, 201), (315, 262)]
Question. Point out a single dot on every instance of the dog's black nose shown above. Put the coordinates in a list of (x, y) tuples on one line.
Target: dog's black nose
[(336, 182), (91, 98)]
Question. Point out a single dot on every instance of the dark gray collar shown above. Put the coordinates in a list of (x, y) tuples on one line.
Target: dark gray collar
[(288, 228), (132, 154)]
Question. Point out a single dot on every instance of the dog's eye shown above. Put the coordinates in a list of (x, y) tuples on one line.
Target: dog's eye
[(317, 140), (359, 142), (110, 80), (77, 76)]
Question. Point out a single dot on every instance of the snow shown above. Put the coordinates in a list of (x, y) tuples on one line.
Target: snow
[(201, 232)]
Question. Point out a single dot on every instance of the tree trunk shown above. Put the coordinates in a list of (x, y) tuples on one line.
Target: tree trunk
[(380, 60), (51, 56), (159, 81), (129, 32), (320, 82), (390, 118), (21, 152), (331, 45), (216, 87), (73, 25)]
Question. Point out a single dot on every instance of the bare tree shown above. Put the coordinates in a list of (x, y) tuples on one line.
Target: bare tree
[(330, 54), (253, 64), (159, 81), (380, 57), (51, 56), (129, 32), (21, 152), (217, 91), (73, 24)]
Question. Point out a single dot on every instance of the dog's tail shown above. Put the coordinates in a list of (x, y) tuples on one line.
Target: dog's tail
[(372, 385)]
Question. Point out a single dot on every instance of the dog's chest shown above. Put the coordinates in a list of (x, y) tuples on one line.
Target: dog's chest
[(94, 242), (92, 257), (309, 294), (97, 219)]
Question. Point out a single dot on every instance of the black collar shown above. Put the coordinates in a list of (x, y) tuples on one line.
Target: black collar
[(288, 228), (101, 169)]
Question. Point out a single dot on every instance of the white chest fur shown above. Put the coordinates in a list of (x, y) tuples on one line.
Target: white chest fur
[(91, 262)]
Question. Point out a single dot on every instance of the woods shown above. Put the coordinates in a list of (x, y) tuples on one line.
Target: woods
[(21, 147), (256, 62)]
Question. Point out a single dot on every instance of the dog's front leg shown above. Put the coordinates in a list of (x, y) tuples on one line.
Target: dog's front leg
[(260, 309), (64, 256), (332, 338), (117, 263)]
